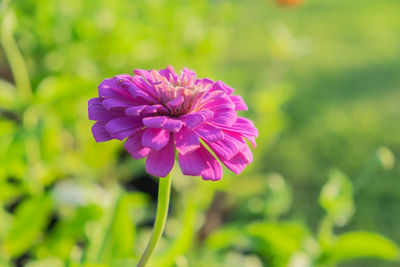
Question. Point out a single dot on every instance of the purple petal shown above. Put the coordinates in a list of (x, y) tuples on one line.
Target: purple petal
[(238, 162), (188, 77), (139, 93), (141, 89), (225, 117), (217, 100), (193, 163), (112, 88), (201, 162), (96, 101), (186, 141), (98, 113), (135, 111), (209, 133), (174, 104), (159, 163), (153, 109), (228, 147), (146, 87), (99, 132), (155, 138), (248, 155), (145, 73), (169, 73), (121, 128), (243, 127), (220, 86), (162, 122), (239, 103), (205, 82), (194, 119), (134, 146), (110, 103), (214, 170)]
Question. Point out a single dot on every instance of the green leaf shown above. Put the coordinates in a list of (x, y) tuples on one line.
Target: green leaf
[(29, 222), (228, 237), (8, 95), (53, 262), (282, 238), (279, 196), (113, 236), (363, 244), (182, 242), (337, 197)]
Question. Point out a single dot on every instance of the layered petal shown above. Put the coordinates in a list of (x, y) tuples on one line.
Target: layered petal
[(159, 163), (112, 88), (123, 127), (192, 163), (228, 147), (154, 110), (115, 103), (135, 111), (239, 102), (194, 119), (220, 86), (169, 73), (97, 112), (201, 162), (163, 122), (155, 138), (99, 132), (209, 133), (239, 161), (186, 141), (243, 127), (135, 147), (174, 104)]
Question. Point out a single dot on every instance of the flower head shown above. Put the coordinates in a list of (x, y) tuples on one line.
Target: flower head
[(158, 111)]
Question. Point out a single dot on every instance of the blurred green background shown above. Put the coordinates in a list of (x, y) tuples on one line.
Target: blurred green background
[(322, 81)]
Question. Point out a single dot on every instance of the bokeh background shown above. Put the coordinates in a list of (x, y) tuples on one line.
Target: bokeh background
[(321, 78)]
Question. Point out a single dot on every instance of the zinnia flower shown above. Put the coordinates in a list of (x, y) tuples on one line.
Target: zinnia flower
[(158, 111)]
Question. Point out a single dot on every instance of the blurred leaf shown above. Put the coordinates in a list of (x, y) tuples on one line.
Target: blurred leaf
[(337, 197), (28, 224), (386, 157), (5, 223), (67, 232), (4, 262), (279, 197), (183, 242), (228, 237), (13, 159), (127, 262), (272, 240), (8, 95), (363, 244), (53, 262), (7, 132), (267, 104), (113, 236), (281, 238)]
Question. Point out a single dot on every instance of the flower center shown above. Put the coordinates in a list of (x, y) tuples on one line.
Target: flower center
[(179, 94)]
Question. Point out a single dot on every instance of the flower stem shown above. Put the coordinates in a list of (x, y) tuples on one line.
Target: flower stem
[(164, 189)]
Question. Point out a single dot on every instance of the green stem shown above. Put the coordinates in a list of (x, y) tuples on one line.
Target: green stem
[(164, 189)]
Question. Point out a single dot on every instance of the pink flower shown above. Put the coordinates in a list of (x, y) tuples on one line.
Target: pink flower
[(158, 111)]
